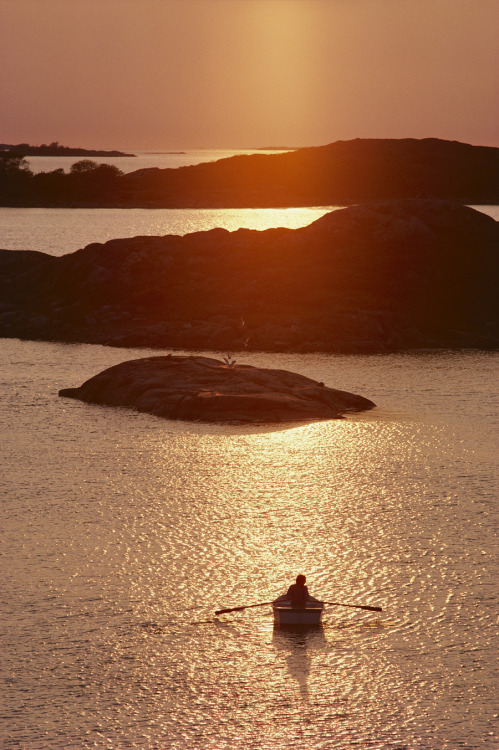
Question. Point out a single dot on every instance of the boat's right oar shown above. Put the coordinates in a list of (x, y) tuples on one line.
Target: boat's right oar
[(357, 606), (237, 609)]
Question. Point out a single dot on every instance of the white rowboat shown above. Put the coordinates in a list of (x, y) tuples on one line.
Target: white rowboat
[(285, 614)]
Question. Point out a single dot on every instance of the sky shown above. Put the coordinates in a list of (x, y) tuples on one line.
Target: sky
[(186, 74)]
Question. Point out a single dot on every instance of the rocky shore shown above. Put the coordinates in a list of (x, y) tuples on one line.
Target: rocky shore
[(208, 390), (378, 277)]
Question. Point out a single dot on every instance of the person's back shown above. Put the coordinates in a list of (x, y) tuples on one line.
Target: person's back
[(297, 594)]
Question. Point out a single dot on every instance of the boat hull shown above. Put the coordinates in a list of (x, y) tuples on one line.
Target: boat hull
[(285, 614)]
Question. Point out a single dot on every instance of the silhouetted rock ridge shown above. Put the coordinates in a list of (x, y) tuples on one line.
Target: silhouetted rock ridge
[(375, 277), (340, 173)]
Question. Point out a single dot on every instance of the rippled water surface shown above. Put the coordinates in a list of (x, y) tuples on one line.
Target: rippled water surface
[(123, 533)]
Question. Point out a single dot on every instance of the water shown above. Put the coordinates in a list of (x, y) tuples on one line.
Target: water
[(143, 159), (58, 231), (122, 533)]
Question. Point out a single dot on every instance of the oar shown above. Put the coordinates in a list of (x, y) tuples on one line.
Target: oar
[(333, 604), (236, 609), (357, 606)]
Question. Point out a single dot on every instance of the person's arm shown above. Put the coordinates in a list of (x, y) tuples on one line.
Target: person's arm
[(284, 597), (311, 598)]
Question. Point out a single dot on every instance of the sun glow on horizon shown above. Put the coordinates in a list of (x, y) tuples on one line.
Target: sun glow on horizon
[(248, 73)]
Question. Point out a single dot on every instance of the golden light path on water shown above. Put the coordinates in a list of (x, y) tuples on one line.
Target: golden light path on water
[(124, 533), (60, 231)]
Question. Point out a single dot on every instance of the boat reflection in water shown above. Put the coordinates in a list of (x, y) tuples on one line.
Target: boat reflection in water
[(297, 642)]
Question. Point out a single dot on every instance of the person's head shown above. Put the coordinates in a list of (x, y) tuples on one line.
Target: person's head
[(300, 580)]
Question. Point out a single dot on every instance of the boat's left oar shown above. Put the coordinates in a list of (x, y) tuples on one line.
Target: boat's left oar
[(237, 609), (357, 606)]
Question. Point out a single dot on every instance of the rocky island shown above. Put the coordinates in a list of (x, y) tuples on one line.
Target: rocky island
[(56, 149), (338, 174), (379, 277), (208, 390)]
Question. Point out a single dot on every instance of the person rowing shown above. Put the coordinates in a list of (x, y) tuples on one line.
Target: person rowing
[(298, 594)]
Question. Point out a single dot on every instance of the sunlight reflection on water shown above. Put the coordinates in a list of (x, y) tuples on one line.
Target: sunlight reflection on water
[(124, 532), (58, 231)]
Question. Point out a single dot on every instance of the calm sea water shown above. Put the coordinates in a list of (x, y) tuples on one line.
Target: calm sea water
[(122, 534), (143, 159)]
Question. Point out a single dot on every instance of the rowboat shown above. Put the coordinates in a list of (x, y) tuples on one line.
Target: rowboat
[(285, 614)]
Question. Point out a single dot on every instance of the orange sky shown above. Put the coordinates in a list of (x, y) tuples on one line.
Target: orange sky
[(176, 74)]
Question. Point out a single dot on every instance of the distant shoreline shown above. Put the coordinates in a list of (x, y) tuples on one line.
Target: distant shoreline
[(54, 149), (340, 173)]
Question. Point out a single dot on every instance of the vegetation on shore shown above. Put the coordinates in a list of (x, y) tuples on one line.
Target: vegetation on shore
[(85, 181)]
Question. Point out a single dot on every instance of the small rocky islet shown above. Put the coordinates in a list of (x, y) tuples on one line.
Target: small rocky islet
[(196, 388)]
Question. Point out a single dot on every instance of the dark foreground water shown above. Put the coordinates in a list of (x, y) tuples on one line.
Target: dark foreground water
[(122, 533)]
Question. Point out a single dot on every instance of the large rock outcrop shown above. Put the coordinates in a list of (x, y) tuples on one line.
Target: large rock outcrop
[(207, 390), (339, 173), (375, 277)]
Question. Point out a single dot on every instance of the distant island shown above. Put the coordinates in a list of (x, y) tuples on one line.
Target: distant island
[(342, 173), (55, 149), (377, 277), (165, 153)]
